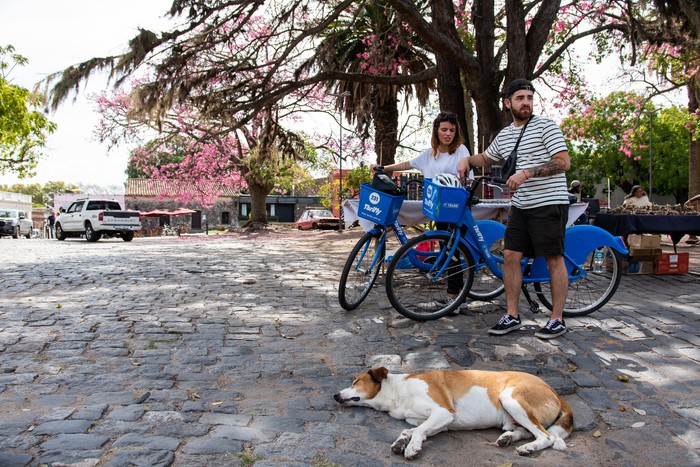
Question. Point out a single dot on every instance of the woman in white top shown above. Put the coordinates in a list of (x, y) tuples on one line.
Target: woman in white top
[(447, 149), (637, 198)]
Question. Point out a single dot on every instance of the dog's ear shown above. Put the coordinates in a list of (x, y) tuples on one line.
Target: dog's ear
[(378, 374)]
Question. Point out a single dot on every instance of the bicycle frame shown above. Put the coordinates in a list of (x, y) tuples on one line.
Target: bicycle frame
[(470, 243), (579, 241), (378, 229)]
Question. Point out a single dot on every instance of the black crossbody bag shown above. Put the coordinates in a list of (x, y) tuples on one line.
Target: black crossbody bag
[(508, 168)]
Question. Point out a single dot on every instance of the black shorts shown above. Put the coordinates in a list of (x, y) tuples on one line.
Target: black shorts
[(537, 231)]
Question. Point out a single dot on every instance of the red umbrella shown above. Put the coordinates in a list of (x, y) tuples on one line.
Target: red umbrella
[(181, 211), (157, 213)]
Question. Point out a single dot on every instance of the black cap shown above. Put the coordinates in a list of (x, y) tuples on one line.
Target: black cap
[(519, 85)]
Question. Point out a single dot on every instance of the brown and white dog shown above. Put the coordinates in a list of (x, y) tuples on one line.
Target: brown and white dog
[(521, 404)]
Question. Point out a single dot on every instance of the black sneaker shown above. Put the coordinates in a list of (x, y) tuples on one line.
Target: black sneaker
[(553, 328), (444, 303), (505, 325)]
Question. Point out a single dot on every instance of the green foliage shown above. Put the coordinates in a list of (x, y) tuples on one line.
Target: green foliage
[(23, 127), (610, 138), (41, 194), (353, 179)]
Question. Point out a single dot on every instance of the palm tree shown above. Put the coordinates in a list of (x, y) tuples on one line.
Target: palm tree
[(375, 41)]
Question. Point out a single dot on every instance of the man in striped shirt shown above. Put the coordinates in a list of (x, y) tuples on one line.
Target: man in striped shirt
[(539, 205)]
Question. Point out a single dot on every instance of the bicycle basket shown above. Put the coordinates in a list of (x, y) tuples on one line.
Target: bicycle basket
[(443, 203), (380, 208)]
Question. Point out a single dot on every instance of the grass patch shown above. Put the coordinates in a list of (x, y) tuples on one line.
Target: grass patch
[(153, 345), (248, 458)]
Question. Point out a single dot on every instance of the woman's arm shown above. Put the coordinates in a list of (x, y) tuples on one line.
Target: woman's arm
[(405, 165)]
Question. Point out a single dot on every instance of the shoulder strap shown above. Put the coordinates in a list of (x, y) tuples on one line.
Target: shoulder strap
[(521, 134)]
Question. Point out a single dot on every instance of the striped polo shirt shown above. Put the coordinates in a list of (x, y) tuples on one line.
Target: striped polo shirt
[(542, 140)]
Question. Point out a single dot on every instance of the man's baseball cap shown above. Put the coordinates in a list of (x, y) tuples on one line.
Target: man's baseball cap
[(519, 85)]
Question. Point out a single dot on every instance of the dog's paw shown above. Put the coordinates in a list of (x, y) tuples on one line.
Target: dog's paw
[(401, 442), (505, 439), (412, 450), (524, 450), (399, 445)]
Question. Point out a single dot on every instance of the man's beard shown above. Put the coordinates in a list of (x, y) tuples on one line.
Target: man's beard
[(520, 115)]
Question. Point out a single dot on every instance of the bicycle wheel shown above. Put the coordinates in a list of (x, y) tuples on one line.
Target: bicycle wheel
[(588, 290), (361, 270), (420, 273), (486, 285)]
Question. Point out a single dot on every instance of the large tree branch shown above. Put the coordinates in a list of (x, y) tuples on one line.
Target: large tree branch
[(435, 39), (569, 41)]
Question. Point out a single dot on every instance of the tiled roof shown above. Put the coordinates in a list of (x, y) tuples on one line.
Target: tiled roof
[(147, 187)]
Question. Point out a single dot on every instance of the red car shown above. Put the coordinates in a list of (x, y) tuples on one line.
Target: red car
[(317, 219)]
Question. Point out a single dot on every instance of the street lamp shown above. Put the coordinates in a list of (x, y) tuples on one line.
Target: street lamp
[(342, 97), (651, 120)]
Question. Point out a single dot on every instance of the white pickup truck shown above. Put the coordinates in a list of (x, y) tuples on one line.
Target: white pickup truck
[(96, 218)]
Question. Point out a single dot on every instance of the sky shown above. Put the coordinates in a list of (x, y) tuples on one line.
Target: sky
[(54, 34)]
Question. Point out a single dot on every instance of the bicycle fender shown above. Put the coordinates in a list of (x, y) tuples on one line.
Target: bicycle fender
[(580, 240)]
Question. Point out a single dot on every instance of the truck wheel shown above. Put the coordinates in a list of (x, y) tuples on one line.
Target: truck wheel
[(60, 234), (90, 234), (15, 234), (29, 233), (128, 236)]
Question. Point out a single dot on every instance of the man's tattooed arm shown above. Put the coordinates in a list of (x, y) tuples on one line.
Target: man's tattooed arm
[(553, 167)]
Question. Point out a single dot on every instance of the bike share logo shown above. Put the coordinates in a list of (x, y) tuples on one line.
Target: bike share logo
[(374, 198), (428, 201)]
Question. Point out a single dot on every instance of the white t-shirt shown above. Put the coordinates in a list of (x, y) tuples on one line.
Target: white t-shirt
[(641, 202), (445, 163), (542, 140)]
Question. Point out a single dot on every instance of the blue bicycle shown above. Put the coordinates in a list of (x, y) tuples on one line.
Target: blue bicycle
[(430, 276), (368, 256)]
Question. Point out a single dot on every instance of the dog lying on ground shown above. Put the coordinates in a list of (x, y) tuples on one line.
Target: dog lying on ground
[(521, 404)]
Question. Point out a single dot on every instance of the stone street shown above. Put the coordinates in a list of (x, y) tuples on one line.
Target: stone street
[(226, 350)]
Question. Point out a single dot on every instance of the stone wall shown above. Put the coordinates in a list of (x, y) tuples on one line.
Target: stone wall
[(215, 216)]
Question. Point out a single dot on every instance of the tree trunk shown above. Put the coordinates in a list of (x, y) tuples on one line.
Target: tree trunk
[(694, 157), (449, 76), (386, 125), (258, 199)]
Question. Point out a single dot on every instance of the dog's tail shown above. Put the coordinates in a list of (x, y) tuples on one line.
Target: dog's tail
[(562, 427)]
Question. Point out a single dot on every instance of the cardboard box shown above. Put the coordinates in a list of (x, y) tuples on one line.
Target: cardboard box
[(638, 267), (672, 263), (644, 254), (644, 240)]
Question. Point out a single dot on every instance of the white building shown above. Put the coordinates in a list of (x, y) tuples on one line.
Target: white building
[(16, 201)]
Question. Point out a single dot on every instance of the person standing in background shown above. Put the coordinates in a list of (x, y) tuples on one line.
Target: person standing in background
[(52, 221)]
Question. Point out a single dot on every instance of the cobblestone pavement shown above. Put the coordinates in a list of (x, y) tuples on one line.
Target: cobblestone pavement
[(201, 351)]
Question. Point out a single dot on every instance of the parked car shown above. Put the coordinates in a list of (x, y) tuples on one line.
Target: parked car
[(317, 219), (95, 218), (15, 223)]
